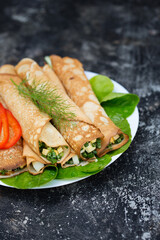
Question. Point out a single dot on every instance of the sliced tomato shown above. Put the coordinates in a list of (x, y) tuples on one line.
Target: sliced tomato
[(4, 126), (14, 124)]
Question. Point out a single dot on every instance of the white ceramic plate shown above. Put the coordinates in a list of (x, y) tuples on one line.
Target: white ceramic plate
[(133, 122)]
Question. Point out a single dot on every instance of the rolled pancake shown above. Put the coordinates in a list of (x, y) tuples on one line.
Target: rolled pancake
[(12, 160), (80, 129), (71, 157), (35, 124), (71, 73), (32, 158)]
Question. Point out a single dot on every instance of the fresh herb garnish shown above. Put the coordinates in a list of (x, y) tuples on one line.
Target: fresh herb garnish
[(48, 100)]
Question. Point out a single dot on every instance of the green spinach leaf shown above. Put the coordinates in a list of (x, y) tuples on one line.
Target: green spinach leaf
[(112, 95), (101, 86), (121, 107)]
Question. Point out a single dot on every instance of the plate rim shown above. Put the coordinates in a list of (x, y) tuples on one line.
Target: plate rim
[(63, 182)]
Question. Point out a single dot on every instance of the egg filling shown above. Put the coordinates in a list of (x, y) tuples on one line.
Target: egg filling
[(51, 154), (89, 148), (115, 140)]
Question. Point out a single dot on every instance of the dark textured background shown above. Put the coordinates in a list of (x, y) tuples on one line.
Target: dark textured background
[(122, 40)]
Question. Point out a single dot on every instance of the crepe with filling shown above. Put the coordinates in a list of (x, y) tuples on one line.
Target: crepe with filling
[(35, 163), (12, 161), (80, 129), (73, 160), (36, 126), (71, 73)]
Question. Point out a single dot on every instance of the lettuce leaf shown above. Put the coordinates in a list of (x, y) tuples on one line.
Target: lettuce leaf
[(112, 95), (26, 180), (121, 107), (101, 86)]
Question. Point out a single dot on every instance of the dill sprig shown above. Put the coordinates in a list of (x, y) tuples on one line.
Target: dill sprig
[(47, 100)]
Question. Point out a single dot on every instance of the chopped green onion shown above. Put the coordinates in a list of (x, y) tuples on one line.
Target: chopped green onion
[(94, 144), (3, 172), (60, 155), (51, 155), (119, 140), (95, 152), (86, 144), (90, 155), (98, 143), (84, 154), (41, 146)]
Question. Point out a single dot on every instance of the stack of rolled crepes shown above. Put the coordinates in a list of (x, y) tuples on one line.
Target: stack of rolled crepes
[(80, 130), (36, 129), (71, 73)]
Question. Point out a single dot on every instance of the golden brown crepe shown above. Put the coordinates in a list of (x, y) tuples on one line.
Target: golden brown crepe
[(71, 73), (35, 124), (81, 129), (12, 158)]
